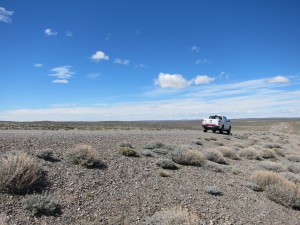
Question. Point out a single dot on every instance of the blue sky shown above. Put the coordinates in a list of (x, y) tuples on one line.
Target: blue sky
[(148, 60)]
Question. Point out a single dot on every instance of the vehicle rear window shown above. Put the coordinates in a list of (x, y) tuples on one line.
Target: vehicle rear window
[(215, 117)]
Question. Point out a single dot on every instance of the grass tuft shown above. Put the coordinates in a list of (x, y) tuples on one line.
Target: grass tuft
[(249, 153), (19, 173), (127, 151), (188, 157), (167, 164), (41, 205)]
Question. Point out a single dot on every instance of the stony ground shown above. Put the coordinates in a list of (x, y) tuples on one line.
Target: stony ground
[(130, 189)]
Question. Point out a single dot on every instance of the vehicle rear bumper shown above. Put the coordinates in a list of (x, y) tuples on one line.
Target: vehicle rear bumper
[(210, 126)]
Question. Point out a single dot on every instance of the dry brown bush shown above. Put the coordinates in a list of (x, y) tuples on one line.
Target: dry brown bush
[(84, 155), (214, 156), (229, 153), (267, 154), (285, 193), (265, 178), (274, 166), (188, 157), (19, 173), (175, 216), (249, 153)]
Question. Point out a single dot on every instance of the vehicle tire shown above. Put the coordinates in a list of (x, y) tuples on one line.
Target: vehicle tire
[(221, 130), (214, 130), (229, 130), (205, 130)]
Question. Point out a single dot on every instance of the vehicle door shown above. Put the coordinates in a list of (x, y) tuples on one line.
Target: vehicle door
[(226, 123)]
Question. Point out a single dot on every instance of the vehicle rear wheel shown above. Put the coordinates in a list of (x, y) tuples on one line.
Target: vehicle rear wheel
[(214, 130), (222, 129), (205, 130), (229, 131)]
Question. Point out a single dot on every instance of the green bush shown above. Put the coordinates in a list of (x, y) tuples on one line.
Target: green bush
[(167, 164), (46, 154), (127, 151), (41, 205)]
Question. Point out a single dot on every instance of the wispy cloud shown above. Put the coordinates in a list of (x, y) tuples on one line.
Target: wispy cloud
[(38, 65), (195, 49), (202, 61), (141, 65), (278, 79), (122, 61), (99, 55), (62, 73), (49, 32), (5, 16), (69, 33), (93, 76)]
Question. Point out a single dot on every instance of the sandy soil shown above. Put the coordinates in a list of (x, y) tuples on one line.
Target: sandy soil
[(130, 189)]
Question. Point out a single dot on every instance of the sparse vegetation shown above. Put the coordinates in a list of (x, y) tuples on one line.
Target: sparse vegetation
[(127, 151), (146, 152), (125, 144), (19, 173), (41, 205), (167, 164), (188, 157), (83, 155), (175, 216)]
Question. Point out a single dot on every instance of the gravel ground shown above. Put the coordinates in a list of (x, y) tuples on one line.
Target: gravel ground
[(129, 189)]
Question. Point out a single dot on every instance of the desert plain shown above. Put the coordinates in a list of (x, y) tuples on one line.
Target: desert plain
[(225, 187)]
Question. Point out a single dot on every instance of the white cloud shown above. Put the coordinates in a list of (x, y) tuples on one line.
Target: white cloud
[(176, 81), (99, 55), (5, 16), (195, 49), (123, 62), (60, 81), (203, 79), (69, 33), (62, 73), (38, 65), (278, 79), (49, 32), (202, 61)]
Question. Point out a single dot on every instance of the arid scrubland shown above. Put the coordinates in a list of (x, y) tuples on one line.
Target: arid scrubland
[(151, 175)]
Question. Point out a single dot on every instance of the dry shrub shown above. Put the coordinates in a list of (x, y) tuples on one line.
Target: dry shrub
[(19, 173), (267, 154), (274, 166), (83, 155), (214, 156), (175, 216), (265, 178), (249, 153), (291, 177), (188, 157), (239, 145), (214, 167), (279, 152), (294, 158), (213, 190), (229, 153), (285, 193), (294, 167), (154, 144)]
